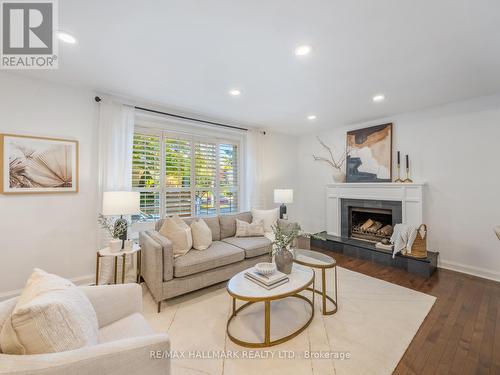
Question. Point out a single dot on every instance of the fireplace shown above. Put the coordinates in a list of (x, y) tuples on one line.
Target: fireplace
[(369, 220)]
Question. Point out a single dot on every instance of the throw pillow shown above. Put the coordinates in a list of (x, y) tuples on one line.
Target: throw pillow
[(269, 217), (202, 235), (177, 231), (244, 229), (51, 315)]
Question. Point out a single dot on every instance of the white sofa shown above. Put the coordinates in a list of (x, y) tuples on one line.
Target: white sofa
[(125, 340)]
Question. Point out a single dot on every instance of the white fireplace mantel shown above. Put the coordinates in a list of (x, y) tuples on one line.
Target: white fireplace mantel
[(410, 196)]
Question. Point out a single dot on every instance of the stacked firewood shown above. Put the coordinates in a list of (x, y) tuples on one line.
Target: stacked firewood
[(374, 227)]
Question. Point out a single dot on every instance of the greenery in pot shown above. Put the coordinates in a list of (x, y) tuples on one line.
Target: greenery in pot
[(284, 235), (115, 231)]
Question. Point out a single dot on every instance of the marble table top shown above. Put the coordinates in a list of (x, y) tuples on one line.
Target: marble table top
[(242, 288), (313, 258)]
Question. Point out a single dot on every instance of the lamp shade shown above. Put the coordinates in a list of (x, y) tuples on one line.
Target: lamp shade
[(120, 203), (283, 196)]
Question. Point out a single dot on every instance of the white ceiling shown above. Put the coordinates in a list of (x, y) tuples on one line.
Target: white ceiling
[(187, 54)]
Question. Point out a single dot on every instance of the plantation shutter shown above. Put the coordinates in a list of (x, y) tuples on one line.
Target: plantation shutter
[(228, 178), (178, 165), (184, 174), (146, 166), (205, 172)]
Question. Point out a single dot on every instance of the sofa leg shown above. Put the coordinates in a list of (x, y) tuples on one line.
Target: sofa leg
[(159, 307)]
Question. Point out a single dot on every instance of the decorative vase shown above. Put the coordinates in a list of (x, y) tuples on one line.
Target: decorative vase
[(115, 245), (284, 260), (338, 176)]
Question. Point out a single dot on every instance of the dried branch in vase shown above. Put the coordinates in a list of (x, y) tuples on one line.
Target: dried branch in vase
[(337, 164)]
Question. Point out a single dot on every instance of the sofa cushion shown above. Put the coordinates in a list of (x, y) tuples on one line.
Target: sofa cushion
[(217, 255), (228, 223), (253, 246), (202, 235), (177, 231), (269, 217), (244, 229), (134, 325), (6, 308), (212, 222), (51, 315)]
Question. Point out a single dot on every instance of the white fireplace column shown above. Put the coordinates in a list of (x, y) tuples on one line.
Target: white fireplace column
[(410, 196)]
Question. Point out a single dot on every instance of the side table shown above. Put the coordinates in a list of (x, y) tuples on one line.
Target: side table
[(106, 252), (315, 259)]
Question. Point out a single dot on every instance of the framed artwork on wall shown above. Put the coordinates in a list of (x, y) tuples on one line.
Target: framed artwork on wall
[(37, 165), (370, 154)]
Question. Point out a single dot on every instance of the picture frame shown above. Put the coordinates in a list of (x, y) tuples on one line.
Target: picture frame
[(370, 154), (36, 165)]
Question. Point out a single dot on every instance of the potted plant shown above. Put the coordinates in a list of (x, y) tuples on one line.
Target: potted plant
[(284, 235), (115, 230)]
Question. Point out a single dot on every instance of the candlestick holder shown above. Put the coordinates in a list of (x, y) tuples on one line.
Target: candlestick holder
[(398, 179), (408, 179)]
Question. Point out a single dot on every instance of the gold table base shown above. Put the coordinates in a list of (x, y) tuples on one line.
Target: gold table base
[(322, 292), (267, 318)]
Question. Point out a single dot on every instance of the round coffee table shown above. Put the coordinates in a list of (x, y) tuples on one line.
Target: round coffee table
[(239, 287), (322, 261)]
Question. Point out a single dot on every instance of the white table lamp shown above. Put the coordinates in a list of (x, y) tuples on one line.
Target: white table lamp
[(283, 196), (121, 203)]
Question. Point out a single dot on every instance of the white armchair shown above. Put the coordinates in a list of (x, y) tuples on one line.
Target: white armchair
[(125, 340)]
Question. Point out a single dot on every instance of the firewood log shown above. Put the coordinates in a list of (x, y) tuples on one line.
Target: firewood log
[(375, 227), (386, 230), (368, 223)]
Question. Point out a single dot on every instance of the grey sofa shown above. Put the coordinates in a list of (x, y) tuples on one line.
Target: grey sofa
[(167, 277)]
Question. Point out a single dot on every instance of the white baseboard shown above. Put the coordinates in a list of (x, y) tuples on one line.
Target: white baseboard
[(474, 271), (80, 280)]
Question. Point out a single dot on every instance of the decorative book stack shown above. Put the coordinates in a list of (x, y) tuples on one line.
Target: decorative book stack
[(266, 281)]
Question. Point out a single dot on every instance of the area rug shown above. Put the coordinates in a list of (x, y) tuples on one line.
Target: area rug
[(369, 334)]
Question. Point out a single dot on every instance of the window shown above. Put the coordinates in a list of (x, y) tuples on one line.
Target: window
[(188, 176)]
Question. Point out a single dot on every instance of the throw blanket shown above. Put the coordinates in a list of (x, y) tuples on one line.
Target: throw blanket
[(402, 238)]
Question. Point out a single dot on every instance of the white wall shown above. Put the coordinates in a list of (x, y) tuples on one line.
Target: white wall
[(55, 232), (455, 150), (58, 232), (280, 169)]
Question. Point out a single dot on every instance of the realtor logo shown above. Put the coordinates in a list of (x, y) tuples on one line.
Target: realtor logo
[(28, 38)]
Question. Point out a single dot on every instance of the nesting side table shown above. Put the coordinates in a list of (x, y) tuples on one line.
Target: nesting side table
[(323, 262), (106, 252)]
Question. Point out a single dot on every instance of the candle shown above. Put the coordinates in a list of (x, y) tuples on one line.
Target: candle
[(399, 161), (407, 163)]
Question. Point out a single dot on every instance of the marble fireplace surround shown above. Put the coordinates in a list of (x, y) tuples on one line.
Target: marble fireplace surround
[(405, 200)]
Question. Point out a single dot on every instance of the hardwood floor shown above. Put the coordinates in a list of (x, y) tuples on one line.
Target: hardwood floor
[(461, 334)]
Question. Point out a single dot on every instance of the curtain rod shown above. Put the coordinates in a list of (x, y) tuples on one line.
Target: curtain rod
[(98, 99)]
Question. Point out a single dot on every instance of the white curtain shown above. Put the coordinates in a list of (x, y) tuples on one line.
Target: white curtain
[(254, 158), (116, 134)]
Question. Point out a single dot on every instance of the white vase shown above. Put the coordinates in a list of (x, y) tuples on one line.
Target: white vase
[(338, 176), (115, 245)]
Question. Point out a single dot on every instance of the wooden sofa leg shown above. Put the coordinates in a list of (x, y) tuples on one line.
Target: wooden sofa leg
[(159, 307)]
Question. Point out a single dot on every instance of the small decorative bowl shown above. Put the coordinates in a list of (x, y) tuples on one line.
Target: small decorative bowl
[(265, 268)]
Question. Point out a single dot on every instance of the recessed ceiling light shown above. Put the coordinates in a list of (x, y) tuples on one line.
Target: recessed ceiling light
[(235, 92), (378, 98), (311, 117), (303, 50), (66, 38)]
